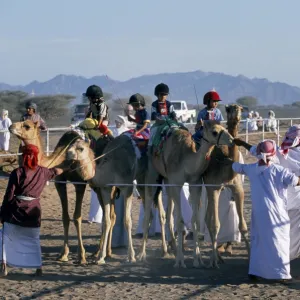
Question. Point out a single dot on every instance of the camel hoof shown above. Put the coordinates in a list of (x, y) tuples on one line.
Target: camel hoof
[(141, 257), (101, 262), (63, 258), (165, 255), (130, 260), (81, 261), (176, 265)]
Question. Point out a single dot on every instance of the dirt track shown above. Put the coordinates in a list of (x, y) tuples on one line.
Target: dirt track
[(156, 279)]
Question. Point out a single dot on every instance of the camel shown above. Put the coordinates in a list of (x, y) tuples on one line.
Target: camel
[(119, 166), (29, 133), (218, 172), (178, 163)]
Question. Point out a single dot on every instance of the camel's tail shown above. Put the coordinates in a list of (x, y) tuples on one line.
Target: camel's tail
[(158, 190)]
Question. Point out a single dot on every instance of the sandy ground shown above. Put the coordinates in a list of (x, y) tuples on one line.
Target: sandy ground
[(155, 279)]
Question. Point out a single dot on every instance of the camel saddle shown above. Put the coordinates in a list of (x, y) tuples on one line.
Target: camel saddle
[(163, 132)]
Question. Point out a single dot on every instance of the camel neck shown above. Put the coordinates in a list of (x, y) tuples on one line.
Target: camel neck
[(233, 130), (199, 160)]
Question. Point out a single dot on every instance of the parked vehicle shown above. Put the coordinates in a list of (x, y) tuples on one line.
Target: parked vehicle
[(79, 113), (184, 114)]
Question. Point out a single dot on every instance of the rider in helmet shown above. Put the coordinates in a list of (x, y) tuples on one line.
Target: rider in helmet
[(141, 116), (32, 115), (162, 108), (210, 112), (98, 109)]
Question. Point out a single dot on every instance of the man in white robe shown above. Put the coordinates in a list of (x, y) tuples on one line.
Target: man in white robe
[(288, 156), (5, 123), (270, 223)]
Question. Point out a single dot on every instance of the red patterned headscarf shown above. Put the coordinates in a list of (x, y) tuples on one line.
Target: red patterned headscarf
[(266, 151), (30, 156), (291, 139)]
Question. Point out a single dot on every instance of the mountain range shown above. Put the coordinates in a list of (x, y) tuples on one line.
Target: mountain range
[(183, 86)]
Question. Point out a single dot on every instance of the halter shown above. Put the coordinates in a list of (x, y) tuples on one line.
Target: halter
[(218, 140)]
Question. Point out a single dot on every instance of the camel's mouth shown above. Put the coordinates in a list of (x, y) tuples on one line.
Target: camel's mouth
[(12, 129)]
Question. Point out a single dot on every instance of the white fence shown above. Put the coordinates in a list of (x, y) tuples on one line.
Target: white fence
[(290, 122)]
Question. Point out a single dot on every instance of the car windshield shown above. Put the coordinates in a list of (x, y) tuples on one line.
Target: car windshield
[(176, 105)]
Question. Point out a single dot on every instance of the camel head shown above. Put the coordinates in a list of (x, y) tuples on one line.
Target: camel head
[(26, 131), (81, 153), (216, 134), (234, 113)]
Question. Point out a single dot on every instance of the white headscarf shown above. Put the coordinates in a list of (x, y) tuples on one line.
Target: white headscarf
[(4, 113), (123, 128)]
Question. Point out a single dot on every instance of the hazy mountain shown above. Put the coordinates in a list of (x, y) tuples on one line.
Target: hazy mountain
[(181, 85)]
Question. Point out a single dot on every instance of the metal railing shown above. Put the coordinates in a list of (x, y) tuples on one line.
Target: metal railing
[(247, 133)]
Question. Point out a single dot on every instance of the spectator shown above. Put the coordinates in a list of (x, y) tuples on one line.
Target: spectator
[(5, 123)]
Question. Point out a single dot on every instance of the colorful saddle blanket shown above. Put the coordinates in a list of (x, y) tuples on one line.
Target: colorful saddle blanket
[(141, 140)]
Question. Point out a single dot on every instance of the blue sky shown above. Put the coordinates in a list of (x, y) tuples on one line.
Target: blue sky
[(127, 38)]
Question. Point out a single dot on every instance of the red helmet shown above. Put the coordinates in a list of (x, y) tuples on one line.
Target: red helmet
[(211, 95)]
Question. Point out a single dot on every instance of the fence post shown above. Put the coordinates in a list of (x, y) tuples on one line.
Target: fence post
[(263, 131), (47, 145), (278, 131)]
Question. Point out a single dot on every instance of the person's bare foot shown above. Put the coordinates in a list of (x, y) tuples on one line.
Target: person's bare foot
[(39, 272), (221, 248), (228, 248)]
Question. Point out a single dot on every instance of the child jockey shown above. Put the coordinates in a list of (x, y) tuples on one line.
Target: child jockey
[(141, 117), (210, 112), (161, 109), (98, 109)]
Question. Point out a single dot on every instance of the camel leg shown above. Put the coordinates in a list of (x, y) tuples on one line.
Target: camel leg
[(128, 222), (170, 219), (175, 195), (113, 219), (80, 189), (238, 195), (162, 219), (146, 223), (105, 193), (195, 201), (213, 223), (99, 196), (148, 192), (62, 192)]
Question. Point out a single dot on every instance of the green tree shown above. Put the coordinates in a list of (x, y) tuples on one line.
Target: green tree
[(247, 101)]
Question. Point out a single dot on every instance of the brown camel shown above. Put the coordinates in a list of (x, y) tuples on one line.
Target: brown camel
[(29, 133), (119, 166), (178, 163), (218, 172)]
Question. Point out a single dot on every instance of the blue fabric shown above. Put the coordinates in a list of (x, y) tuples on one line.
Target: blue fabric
[(141, 116), (197, 136), (202, 115), (155, 110), (119, 234)]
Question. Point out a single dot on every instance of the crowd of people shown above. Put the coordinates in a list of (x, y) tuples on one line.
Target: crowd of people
[(254, 122), (5, 122), (275, 217)]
